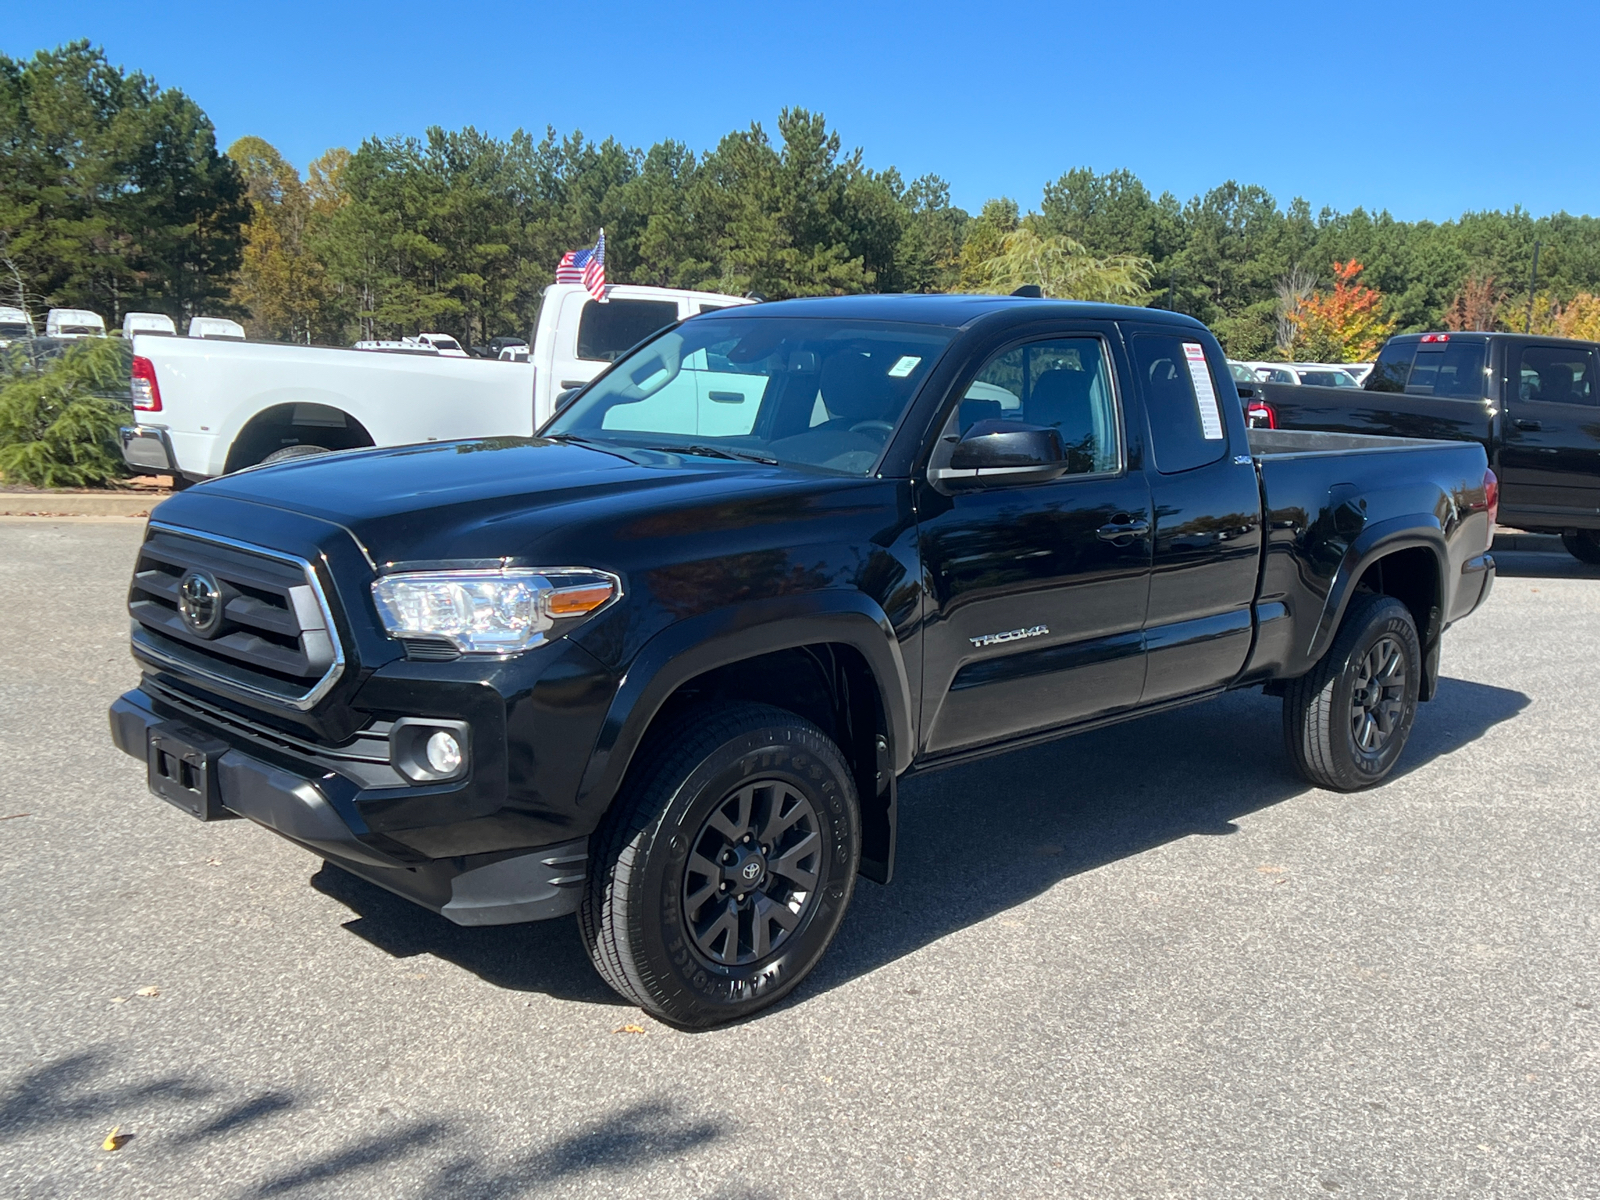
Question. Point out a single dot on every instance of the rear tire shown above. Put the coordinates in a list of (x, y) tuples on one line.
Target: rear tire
[(303, 450), (722, 872), (1584, 545), (1346, 721)]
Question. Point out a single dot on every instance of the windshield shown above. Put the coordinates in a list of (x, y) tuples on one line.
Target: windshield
[(816, 392), (9, 330)]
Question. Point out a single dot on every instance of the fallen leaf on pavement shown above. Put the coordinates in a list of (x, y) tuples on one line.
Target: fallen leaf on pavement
[(148, 992), (114, 1139), (628, 1029), (14, 816), (119, 999), (1269, 870)]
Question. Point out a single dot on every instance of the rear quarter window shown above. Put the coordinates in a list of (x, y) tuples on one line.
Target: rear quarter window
[(608, 331), (1181, 400)]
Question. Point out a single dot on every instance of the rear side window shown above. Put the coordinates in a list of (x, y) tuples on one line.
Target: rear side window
[(1180, 398), (607, 331), (1454, 371), (1555, 374), (1393, 367)]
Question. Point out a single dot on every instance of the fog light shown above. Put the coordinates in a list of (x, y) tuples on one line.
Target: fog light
[(444, 753)]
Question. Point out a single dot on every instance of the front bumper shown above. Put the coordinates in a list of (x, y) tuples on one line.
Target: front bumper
[(148, 448), (320, 812)]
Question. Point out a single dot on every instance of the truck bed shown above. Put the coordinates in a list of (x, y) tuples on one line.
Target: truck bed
[(1289, 443)]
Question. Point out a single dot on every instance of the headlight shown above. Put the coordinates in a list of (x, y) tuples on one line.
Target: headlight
[(491, 612)]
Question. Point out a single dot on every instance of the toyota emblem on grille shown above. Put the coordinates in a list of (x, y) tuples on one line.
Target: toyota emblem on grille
[(200, 603)]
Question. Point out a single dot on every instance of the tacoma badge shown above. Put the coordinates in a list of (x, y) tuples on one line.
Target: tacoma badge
[(1015, 635)]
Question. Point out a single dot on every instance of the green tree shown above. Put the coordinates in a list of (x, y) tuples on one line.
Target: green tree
[(115, 197), (58, 423), (281, 283)]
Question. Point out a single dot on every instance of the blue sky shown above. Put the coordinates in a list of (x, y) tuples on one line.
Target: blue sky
[(1425, 109)]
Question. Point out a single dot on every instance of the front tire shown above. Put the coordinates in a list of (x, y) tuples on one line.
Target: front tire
[(1346, 721), (1584, 545), (722, 873)]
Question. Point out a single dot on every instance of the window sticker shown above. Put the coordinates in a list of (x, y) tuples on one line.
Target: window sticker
[(1204, 395), (906, 365)]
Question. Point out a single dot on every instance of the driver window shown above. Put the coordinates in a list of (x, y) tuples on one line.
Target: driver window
[(1062, 384)]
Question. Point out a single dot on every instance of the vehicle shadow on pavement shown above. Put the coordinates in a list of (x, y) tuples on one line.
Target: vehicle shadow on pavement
[(543, 956), (979, 839), (1044, 814)]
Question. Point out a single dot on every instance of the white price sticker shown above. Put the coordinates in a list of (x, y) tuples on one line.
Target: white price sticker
[(1204, 394), (906, 365)]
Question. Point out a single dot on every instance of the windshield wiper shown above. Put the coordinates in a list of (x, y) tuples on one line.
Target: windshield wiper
[(719, 452)]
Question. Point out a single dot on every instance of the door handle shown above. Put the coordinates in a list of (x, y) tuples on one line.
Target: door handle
[(1117, 530), (1530, 426)]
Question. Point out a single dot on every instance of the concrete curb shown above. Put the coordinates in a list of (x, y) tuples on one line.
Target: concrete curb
[(1510, 539), (78, 504)]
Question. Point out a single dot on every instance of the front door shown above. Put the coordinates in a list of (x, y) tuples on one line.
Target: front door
[(1038, 590), (1550, 455)]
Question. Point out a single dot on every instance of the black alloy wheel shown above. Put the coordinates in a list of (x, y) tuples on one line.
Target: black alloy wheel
[(1346, 720), (1378, 699), (722, 871), (752, 873)]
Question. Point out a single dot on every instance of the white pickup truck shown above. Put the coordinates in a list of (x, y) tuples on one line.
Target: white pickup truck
[(204, 407)]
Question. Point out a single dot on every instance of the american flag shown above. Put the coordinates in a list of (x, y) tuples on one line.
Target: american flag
[(587, 267)]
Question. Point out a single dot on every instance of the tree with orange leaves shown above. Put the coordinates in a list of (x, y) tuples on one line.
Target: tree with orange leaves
[(1346, 324)]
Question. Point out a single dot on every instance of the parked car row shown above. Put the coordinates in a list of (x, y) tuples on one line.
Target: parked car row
[(71, 324), (1297, 373)]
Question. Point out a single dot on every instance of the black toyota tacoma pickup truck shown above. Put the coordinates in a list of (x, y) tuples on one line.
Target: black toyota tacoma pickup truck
[(663, 665), (1533, 403)]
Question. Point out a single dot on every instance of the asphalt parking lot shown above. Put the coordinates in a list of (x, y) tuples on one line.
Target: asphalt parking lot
[(1144, 962)]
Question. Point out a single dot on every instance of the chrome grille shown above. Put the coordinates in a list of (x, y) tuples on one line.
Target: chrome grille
[(275, 640)]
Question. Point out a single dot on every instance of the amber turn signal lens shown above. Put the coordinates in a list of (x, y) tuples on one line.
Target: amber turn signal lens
[(574, 602)]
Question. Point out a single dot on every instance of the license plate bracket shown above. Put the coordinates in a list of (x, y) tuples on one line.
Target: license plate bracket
[(182, 764)]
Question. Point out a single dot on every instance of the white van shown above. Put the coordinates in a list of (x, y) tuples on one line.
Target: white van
[(69, 323), (158, 324), (15, 325), (216, 327)]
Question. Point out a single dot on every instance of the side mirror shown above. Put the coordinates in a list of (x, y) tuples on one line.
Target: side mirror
[(567, 397), (1003, 452)]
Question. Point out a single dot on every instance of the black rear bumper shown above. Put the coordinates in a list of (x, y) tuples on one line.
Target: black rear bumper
[(320, 813)]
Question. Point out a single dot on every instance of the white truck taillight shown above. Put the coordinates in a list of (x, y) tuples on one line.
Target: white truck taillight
[(145, 390)]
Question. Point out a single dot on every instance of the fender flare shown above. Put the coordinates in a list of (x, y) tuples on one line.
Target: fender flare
[(1378, 540), (708, 640)]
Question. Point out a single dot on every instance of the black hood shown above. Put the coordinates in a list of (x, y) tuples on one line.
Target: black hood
[(521, 498)]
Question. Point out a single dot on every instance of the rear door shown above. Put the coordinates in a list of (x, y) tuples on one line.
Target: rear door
[(1207, 505), (1038, 589), (1550, 454)]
